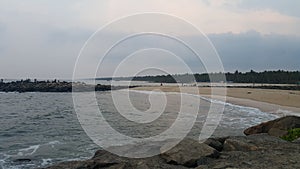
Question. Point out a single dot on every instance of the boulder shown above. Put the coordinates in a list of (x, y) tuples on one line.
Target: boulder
[(103, 156), (277, 132), (239, 144), (88, 164), (22, 160), (189, 153), (253, 151), (252, 143), (214, 143), (297, 140), (278, 127)]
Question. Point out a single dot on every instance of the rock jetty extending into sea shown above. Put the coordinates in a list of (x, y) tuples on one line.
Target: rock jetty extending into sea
[(54, 86), (257, 150)]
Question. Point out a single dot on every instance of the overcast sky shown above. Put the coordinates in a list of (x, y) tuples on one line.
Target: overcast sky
[(42, 39)]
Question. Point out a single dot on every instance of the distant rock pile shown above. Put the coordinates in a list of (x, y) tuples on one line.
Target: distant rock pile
[(54, 86), (243, 152)]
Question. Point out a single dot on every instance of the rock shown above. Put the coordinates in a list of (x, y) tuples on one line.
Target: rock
[(243, 152), (54, 86), (88, 164), (252, 142), (239, 144), (67, 165), (22, 160), (224, 165), (189, 153), (141, 165), (214, 143), (119, 166), (101, 159), (202, 167), (277, 132), (277, 127), (103, 156), (297, 140)]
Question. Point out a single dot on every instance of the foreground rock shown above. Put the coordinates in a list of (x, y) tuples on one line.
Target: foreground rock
[(278, 127), (254, 151), (190, 153)]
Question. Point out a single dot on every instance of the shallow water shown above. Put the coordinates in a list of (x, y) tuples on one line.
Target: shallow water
[(44, 128)]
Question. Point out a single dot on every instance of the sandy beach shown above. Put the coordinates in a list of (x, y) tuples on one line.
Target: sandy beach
[(267, 100)]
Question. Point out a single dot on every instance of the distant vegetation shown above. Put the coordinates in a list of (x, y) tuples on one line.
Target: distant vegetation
[(266, 77), (270, 77)]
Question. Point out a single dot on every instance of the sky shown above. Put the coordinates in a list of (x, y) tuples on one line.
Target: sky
[(42, 39)]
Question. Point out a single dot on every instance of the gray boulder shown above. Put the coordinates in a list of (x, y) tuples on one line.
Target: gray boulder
[(216, 143), (278, 127), (252, 143), (297, 140), (190, 153)]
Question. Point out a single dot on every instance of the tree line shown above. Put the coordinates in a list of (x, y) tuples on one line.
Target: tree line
[(268, 77)]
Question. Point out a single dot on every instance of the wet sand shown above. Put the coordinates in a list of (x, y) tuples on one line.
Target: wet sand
[(267, 100)]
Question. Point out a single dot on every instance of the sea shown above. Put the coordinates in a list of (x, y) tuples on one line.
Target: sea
[(42, 129)]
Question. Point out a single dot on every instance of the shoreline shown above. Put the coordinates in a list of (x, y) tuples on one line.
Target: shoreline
[(262, 106), (280, 102)]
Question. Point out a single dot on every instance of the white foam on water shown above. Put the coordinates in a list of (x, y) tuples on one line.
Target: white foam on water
[(257, 115), (32, 149), (5, 158), (77, 159), (278, 113), (54, 142), (194, 95), (26, 151), (282, 112), (46, 161)]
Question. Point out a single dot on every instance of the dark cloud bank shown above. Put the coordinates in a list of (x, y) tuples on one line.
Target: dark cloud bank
[(252, 50)]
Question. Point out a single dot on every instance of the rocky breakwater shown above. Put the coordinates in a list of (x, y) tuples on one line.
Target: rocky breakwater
[(257, 150), (54, 86)]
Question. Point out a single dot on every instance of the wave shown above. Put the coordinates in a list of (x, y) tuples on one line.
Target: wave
[(195, 95), (233, 116), (7, 160)]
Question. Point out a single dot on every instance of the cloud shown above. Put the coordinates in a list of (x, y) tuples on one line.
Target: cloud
[(42, 38), (243, 51), (252, 50), (217, 16), (34, 53), (214, 16), (286, 7)]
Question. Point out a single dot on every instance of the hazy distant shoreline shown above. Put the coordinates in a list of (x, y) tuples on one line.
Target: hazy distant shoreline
[(64, 86)]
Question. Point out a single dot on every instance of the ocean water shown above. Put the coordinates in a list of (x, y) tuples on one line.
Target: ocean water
[(40, 129)]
